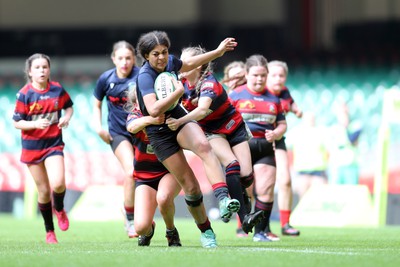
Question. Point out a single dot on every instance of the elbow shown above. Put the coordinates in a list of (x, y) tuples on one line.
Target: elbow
[(155, 112)]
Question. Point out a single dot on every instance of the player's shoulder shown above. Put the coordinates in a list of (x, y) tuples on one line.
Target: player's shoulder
[(24, 90), (134, 72), (106, 75), (55, 84), (240, 89), (209, 82)]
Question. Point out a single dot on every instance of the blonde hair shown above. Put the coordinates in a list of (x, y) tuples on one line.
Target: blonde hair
[(279, 63), (240, 79), (131, 101), (205, 69)]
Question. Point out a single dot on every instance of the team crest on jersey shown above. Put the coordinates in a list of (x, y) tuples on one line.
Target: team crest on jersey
[(246, 105), (35, 107), (131, 85), (272, 108), (56, 105), (112, 85)]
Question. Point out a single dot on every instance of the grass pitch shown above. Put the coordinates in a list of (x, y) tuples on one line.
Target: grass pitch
[(106, 244)]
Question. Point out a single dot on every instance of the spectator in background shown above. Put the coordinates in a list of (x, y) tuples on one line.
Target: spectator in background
[(310, 154), (155, 186), (38, 114), (234, 75), (262, 111), (343, 163), (114, 85), (276, 84)]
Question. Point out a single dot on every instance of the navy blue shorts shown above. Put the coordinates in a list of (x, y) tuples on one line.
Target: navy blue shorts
[(164, 140), (240, 135), (118, 139), (153, 183), (262, 152)]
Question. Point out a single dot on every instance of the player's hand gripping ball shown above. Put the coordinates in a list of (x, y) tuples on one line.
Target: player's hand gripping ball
[(163, 86)]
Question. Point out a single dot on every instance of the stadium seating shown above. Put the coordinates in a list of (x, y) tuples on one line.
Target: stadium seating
[(313, 88)]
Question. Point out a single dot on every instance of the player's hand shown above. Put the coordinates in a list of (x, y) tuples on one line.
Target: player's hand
[(42, 124), (228, 44), (178, 86), (270, 135), (299, 114), (158, 120), (63, 122), (173, 124)]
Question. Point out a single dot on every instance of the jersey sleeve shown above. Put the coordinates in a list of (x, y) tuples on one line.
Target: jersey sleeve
[(99, 90), (20, 111)]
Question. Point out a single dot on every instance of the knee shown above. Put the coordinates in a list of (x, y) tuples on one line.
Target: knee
[(44, 192), (165, 200), (59, 188), (142, 227), (129, 174), (285, 183), (203, 147)]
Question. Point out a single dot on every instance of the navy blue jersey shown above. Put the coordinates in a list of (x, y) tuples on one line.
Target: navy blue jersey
[(115, 90), (32, 105), (145, 86), (260, 111), (223, 118)]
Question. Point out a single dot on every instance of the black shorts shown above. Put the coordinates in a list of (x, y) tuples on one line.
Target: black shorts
[(118, 139), (240, 135), (262, 152), (164, 140), (153, 183), (280, 144)]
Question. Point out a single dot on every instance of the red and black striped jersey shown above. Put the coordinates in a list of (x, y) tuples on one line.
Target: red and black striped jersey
[(260, 111), (146, 164), (223, 118), (32, 105), (285, 98)]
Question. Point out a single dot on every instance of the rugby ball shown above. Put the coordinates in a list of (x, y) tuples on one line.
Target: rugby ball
[(163, 86)]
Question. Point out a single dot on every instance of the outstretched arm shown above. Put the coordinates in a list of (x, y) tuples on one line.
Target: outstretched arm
[(228, 44)]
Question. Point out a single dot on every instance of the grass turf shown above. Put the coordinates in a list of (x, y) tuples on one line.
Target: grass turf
[(106, 244)]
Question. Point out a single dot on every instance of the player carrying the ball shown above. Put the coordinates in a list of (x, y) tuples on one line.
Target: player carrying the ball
[(168, 144), (155, 186)]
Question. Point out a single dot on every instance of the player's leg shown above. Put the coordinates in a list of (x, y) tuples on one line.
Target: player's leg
[(168, 189), (39, 174), (145, 198), (178, 166), (202, 148), (56, 172), (264, 184), (285, 194), (123, 151)]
